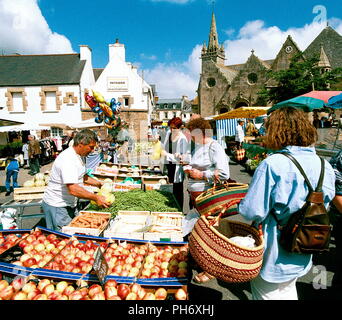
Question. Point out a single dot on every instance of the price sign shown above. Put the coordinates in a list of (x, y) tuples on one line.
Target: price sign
[(100, 266)]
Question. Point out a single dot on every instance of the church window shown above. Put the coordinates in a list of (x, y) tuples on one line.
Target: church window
[(211, 82), (252, 78)]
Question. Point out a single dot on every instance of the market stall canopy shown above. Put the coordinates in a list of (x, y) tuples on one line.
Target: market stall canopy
[(24, 127), (305, 103), (243, 112), (8, 122), (90, 123), (57, 125), (335, 102), (322, 95)]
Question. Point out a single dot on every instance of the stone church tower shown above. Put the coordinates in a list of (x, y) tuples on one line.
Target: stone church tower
[(224, 87)]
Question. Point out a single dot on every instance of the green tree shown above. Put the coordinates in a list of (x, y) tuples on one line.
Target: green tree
[(301, 77)]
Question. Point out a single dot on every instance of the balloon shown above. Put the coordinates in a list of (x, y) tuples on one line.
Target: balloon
[(97, 109), (98, 120), (106, 110), (91, 102), (98, 97), (107, 120)]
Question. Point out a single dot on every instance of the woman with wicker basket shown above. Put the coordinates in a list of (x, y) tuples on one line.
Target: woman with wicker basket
[(208, 162), (277, 186)]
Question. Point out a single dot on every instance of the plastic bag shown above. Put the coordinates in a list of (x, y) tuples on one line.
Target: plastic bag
[(8, 218), (247, 241)]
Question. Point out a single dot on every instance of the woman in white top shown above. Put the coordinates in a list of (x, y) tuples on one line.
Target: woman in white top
[(175, 146), (208, 162)]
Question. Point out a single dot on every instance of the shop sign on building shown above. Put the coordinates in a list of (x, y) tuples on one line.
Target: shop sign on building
[(117, 84)]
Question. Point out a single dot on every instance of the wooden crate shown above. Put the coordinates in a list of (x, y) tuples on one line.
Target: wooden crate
[(132, 221), (28, 193), (175, 235), (87, 231)]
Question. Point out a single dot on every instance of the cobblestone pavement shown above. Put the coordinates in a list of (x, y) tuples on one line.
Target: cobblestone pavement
[(316, 285)]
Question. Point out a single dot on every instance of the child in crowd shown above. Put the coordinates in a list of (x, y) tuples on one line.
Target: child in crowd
[(12, 171)]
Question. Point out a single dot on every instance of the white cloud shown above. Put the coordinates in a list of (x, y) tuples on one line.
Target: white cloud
[(267, 41), (24, 30), (147, 57), (176, 79)]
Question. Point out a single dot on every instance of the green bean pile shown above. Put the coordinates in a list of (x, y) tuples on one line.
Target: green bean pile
[(139, 200)]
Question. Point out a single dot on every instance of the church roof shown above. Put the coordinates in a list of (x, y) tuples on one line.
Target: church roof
[(37, 70), (332, 44), (227, 72)]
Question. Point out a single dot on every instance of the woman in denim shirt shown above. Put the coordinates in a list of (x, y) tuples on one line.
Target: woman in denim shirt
[(277, 184)]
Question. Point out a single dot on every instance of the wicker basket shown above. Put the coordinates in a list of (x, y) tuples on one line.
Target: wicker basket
[(221, 196), (216, 254)]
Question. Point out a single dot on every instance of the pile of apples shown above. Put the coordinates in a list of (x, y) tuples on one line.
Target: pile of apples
[(165, 262), (75, 257), (10, 240), (125, 259), (45, 289), (39, 249)]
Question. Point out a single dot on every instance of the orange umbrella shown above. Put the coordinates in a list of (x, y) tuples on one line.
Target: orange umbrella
[(322, 95)]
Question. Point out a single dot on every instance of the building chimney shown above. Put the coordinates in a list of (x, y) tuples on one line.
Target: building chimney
[(85, 53), (117, 50)]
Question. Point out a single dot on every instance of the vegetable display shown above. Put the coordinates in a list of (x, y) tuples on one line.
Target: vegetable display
[(139, 200)]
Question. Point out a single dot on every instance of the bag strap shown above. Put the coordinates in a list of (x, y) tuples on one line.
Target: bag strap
[(320, 180), (321, 176)]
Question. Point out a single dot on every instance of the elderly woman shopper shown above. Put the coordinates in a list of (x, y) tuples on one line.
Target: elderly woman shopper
[(208, 162), (277, 186), (176, 146)]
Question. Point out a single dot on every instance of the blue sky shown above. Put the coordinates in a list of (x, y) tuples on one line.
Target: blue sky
[(162, 37)]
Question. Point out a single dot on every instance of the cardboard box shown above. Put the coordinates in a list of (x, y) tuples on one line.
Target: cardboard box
[(69, 229), (128, 224), (165, 226)]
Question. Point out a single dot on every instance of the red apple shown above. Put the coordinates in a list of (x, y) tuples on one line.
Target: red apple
[(3, 284), (110, 292), (43, 283), (28, 287), (180, 294), (160, 294), (149, 296), (19, 296), (48, 289), (111, 283), (40, 297), (6, 293), (135, 287), (99, 296), (76, 295), (32, 294), (61, 286), (132, 296), (94, 289), (18, 283), (141, 293), (123, 291), (68, 290)]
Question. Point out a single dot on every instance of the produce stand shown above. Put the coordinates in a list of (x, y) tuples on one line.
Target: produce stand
[(97, 264)]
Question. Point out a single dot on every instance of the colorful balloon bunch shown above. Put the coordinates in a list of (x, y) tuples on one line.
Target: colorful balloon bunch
[(107, 111)]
